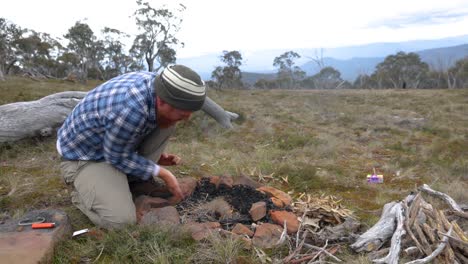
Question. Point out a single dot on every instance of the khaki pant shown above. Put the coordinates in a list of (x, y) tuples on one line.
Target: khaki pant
[(102, 192)]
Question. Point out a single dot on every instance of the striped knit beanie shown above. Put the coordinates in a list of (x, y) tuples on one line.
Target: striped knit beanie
[(181, 87)]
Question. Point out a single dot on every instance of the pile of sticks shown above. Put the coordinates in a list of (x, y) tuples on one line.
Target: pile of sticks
[(418, 232), (323, 220), (321, 211)]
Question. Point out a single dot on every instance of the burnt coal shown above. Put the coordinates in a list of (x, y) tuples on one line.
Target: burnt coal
[(240, 197)]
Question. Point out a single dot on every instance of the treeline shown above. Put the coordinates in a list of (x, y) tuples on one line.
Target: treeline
[(400, 70), (87, 56)]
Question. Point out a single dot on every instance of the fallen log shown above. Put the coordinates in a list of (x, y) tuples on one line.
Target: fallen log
[(37, 118), (41, 117)]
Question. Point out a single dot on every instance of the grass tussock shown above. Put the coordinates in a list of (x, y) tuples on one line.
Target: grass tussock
[(300, 141), (219, 250), (134, 244)]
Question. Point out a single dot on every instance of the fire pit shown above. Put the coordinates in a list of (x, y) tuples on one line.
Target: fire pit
[(239, 207)]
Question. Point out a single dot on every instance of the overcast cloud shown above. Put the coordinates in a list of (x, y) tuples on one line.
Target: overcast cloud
[(211, 26)]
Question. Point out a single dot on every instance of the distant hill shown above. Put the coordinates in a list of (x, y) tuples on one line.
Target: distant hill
[(444, 57), (350, 61), (385, 49), (251, 77), (349, 69), (439, 58)]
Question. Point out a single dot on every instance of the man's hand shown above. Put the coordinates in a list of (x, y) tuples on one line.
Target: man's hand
[(172, 185), (169, 159)]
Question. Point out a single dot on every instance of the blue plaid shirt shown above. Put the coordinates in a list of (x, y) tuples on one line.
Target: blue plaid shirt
[(110, 122)]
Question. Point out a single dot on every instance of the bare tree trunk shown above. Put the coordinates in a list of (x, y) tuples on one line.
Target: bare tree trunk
[(223, 117), (36, 118), (41, 118), (2, 77)]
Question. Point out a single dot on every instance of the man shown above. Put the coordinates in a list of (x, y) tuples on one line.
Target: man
[(117, 132)]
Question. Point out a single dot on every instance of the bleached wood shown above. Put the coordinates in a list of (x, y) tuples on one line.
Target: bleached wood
[(221, 116), (435, 253), (383, 230), (395, 247), (41, 117), (37, 118), (425, 188), (378, 234)]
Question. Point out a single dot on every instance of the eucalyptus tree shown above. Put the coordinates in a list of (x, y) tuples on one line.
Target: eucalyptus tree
[(115, 58), (230, 74), (84, 44), (288, 73), (402, 70), (10, 33), (37, 54), (460, 74), (156, 40), (327, 78)]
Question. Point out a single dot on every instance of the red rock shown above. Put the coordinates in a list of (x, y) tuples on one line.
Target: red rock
[(201, 231), (188, 185), (214, 180), (278, 217), (245, 240), (258, 211), (273, 192), (147, 202), (225, 181), (246, 180), (33, 245), (164, 215), (241, 229), (277, 202), (267, 235), (144, 203)]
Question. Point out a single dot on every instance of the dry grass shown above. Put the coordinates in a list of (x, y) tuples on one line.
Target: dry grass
[(219, 250), (312, 141)]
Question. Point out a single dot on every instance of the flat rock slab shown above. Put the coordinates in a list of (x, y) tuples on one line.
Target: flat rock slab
[(22, 244), (267, 235), (165, 215)]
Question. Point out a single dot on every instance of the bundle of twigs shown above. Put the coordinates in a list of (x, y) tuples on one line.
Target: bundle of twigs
[(322, 217), (321, 211), (424, 232)]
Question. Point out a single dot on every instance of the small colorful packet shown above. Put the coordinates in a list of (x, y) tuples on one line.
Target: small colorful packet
[(374, 178)]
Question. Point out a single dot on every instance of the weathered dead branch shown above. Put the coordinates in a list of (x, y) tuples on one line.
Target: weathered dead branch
[(434, 254), (395, 247), (425, 188), (377, 235)]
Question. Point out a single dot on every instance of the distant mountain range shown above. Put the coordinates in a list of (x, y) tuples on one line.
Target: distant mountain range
[(439, 58), (350, 61)]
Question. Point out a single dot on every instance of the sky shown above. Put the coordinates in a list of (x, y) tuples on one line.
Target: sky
[(211, 26)]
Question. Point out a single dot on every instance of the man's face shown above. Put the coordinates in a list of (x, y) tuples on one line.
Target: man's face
[(169, 116)]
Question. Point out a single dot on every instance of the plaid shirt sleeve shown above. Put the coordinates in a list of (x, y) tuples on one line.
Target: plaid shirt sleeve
[(122, 130)]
